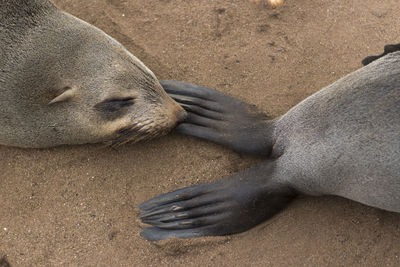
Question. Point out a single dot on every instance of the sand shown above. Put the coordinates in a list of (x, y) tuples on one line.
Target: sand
[(75, 206)]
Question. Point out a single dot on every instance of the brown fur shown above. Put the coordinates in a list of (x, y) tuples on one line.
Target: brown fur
[(55, 73)]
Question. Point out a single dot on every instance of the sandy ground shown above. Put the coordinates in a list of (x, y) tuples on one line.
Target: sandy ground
[(75, 206)]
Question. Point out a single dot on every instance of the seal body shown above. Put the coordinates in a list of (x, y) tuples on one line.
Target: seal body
[(63, 81), (344, 140)]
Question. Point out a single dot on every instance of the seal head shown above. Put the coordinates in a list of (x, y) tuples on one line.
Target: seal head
[(63, 81)]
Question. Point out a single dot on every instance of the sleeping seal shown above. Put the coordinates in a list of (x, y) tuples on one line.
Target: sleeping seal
[(343, 140), (63, 81)]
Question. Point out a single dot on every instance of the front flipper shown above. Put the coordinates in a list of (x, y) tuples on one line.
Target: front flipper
[(222, 119), (229, 206), (387, 50)]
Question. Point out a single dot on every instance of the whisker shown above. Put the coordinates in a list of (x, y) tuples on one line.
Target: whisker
[(136, 132)]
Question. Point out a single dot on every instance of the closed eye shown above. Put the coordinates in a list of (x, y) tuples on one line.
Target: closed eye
[(115, 104)]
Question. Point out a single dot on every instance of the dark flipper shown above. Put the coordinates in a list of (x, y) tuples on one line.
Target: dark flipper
[(387, 50), (229, 206), (222, 119)]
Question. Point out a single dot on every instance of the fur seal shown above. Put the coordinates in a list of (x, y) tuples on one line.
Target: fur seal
[(343, 140), (63, 81)]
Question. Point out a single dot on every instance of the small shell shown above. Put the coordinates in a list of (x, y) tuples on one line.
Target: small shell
[(272, 3), (275, 3)]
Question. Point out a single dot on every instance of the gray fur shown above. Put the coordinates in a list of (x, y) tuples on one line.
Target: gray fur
[(345, 139), (46, 52)]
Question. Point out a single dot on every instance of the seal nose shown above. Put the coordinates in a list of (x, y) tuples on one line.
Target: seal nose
[(177, 113), (182, 115)]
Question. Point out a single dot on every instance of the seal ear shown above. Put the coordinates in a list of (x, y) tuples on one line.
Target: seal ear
[(69, 93)]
